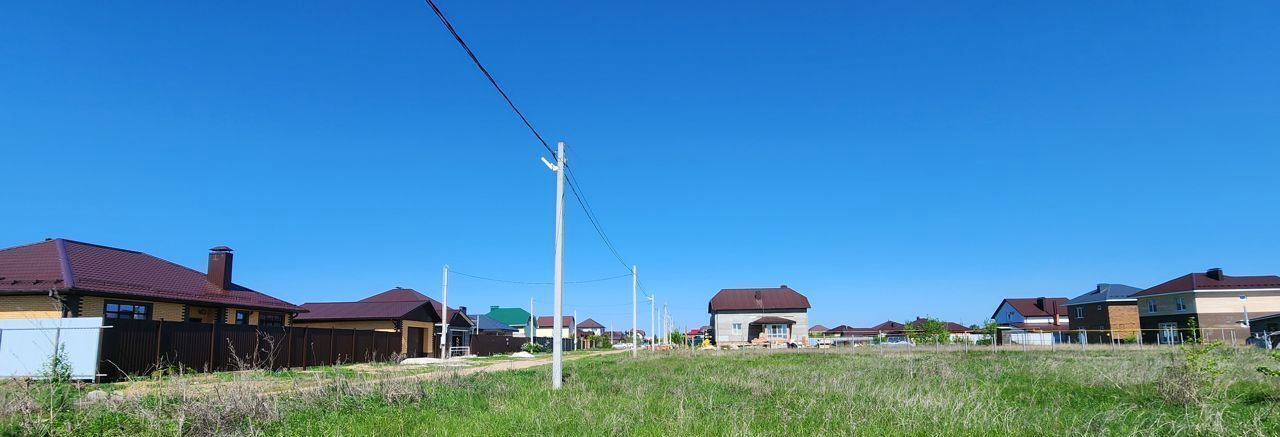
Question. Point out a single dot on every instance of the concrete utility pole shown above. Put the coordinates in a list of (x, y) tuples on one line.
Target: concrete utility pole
[(444, 317), (533, 321), (635, 336), (664, 323), (576, 342), (1244, 307), (557, 347), (653, 334)]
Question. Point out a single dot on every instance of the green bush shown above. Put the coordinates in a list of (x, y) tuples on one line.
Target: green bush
[(533, 348)]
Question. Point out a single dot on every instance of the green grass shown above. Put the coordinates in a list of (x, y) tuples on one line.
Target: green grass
[(772, 393)]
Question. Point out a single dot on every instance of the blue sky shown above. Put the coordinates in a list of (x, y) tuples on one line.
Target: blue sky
[(886, 159)]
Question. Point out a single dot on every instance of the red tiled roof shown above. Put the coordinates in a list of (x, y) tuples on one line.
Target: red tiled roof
[(590, 324), (1035, 306), (68, 265), (817, 328), (757, 299), (548, 321), (1202, 281)]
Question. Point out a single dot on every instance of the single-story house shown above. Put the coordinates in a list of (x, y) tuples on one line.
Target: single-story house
[(1265, 331), (486, 325), (402, 310), (1034, 321), (742, 316), (1219, 303), (817, 331), (66, 278), (1107, 313), (514, 317)]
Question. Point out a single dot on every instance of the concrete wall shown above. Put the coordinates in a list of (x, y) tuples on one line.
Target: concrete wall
[(723, 321)]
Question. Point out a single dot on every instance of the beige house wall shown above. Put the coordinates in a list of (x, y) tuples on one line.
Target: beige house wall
[(29, 307), (93, 306)]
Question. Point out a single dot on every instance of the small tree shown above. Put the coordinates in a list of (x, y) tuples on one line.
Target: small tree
[(1193, 329), (676, 337), (929, 330)]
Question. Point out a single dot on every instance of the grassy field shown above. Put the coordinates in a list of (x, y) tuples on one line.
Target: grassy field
[(1123, 392)]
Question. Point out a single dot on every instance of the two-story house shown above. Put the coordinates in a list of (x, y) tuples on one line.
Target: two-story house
[(1219, 303), (1107, 313), (66, 278), (740, 316), (1034, 320)]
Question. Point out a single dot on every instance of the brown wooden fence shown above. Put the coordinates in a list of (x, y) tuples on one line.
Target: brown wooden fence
[(140, 347), (485, 345)]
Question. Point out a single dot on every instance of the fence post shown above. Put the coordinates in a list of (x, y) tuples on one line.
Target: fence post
[(353, 344), (306, 341), (288, 337), (159, 328), (1233, 337), (213, 343)]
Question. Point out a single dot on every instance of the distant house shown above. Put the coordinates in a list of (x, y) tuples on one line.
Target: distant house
[(1265, 330), (590, 327), (740, 316), (516, 318), (402, 310), (817, 331), (66, 278), (486, 325), (546, 327), (1035, 320), (1217, 301), (1107, 313)]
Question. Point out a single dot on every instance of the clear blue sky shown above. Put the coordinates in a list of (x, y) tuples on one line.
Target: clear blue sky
[(886, 159)]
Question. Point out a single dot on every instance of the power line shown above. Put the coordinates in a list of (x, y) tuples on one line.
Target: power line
[(444, 20), (534, 283)]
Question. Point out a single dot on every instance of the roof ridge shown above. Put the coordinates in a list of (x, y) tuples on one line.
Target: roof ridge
[(64, 263), (100, 246)]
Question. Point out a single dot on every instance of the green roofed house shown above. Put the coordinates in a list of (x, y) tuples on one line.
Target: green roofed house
[(514, 317)]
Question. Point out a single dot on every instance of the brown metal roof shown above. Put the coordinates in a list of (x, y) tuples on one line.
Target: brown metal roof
[(772, 320), (67, 265), (590, 324), (548, 321), (779, 298), (817, 328), (393, 304), (1035, 306), (1202, 281)]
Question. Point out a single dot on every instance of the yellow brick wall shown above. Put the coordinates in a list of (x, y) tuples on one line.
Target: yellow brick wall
[(231, 316), (28, 307), (205, 314), (92, 306), (429, 342)]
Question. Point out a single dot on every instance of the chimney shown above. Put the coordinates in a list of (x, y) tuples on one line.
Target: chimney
[(220, 267), (783, 286), (462, 310), (493, 307), (1040, 303), (1214, 274), (1054, 312)]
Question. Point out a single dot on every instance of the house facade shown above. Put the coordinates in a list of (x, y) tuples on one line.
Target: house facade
[(1107, 313), (1034, 321), (1219, 303), (742, 316), (402, 310), (590, 327), (546, 327), (66, 278)]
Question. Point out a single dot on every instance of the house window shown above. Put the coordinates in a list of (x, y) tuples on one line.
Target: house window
[(1079, 312), (1168, 332), (777, 332), (737, 328), (1009, 315), (1181, 304), (1151, 306), (121, 310), (270, 319), (242, 317)]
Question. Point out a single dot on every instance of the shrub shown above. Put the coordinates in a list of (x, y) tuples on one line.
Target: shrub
[(533, 348), (1196, 378)]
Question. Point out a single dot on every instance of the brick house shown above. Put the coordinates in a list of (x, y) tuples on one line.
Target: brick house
[(1032, 320), (740, 316), (66, 278), (1107, 313), (1220, 304)]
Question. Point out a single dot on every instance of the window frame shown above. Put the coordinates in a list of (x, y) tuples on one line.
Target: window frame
[(147, 310), (1152, 307), (242, 321), (1180, 304), (1080, 312), (271, 320), (736, 327)]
